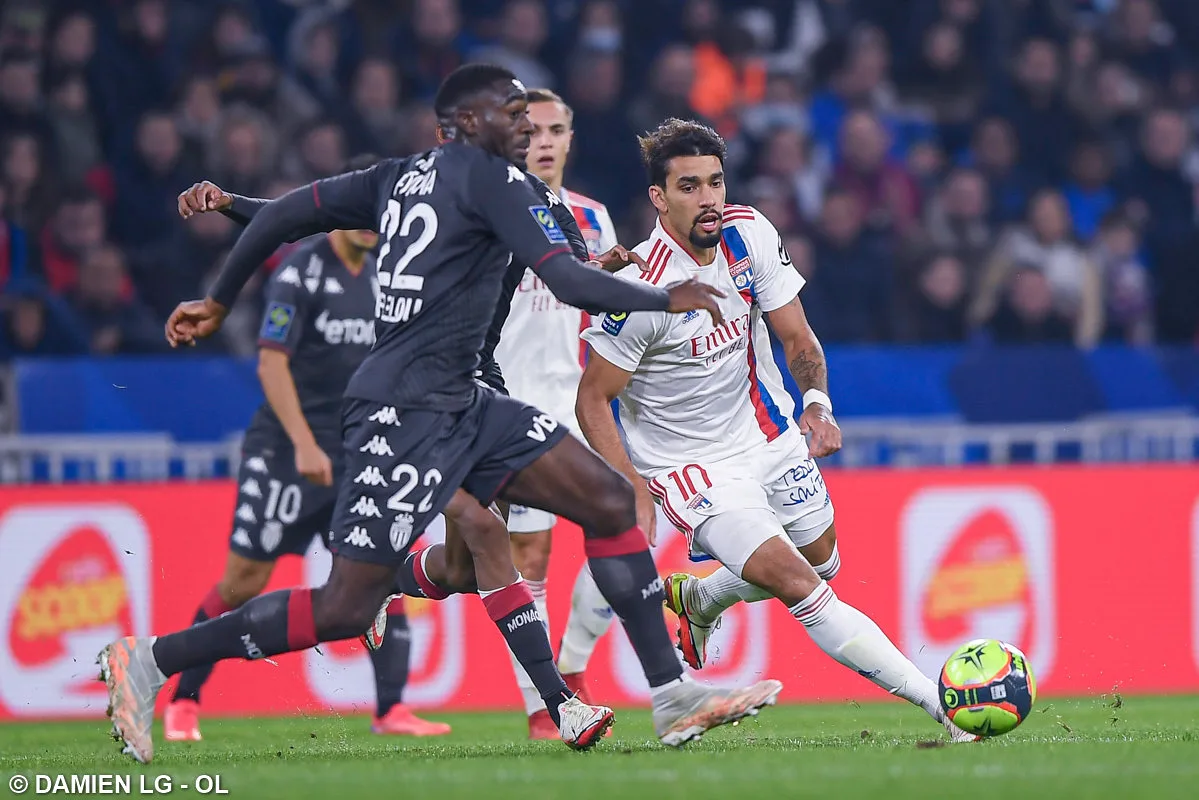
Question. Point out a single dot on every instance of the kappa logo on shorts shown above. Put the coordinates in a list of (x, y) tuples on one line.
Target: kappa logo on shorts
[(549, 226), (272, 535), (250, 488), (371, 476), (365, 507), (377, 446), (256, 464), (614, 321), (401, 531), (358, 537), (241, 538), (245, 513), (386, 416)]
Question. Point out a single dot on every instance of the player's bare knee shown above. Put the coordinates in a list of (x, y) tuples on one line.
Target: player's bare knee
[(778, 567), (823, 555), (531, 554), (613, 508)]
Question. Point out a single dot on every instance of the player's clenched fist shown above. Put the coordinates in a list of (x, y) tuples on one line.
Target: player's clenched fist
[(826, 434), (691, 295), (201, 197), (195, 319)]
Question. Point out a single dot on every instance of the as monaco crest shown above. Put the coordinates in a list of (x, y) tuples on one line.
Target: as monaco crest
[(341, 674), (977, 562), (738, 651)]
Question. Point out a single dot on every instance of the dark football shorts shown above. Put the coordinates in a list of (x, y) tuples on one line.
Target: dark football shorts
[(278, 511), (404, 465)]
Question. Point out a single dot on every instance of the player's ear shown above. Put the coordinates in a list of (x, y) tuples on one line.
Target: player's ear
[(466, 121), (657, 196)]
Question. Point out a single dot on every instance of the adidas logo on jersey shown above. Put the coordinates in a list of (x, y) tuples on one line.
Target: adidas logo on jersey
[(377, 446), (333, 286), (290, 275), (386, 416), (250, 488), (370, 476), (245, 513), (365, 507), (358, 537), (256, 464)]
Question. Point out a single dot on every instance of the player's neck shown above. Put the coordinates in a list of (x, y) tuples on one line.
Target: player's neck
[(353, 258), (703, 256)]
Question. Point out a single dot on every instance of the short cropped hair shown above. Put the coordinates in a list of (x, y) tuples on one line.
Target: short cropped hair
[(547, 96), (361, 161), (464, 82), (674, 138)]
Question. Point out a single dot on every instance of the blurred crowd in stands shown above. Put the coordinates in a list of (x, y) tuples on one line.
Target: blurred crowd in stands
[(942, 171)]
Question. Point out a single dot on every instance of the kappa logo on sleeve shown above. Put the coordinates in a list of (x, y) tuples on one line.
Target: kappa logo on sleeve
[(614, 321), (277, 322), (549, 226)]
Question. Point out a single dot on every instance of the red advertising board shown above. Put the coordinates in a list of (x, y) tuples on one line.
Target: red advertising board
[(1094, 572)]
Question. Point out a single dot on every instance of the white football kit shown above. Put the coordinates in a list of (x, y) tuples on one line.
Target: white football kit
[(708, 421), (539, 351)]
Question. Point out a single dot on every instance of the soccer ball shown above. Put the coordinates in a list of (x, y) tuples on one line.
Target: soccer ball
[(987, 687)]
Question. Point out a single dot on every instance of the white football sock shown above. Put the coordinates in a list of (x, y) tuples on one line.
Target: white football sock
[(528, 692), (709, 597), (590, 617), (854, 640)]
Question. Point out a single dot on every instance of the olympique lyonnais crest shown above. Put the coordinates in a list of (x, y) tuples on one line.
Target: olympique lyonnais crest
[(742, 274)]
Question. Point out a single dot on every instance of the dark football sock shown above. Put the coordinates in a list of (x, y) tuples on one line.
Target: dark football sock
[(514, 613), (278, 622), (626, 575), (391, 659), (414, 582), (193, 680)]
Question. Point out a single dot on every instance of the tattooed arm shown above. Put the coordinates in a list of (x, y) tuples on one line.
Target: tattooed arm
[(806, 359)]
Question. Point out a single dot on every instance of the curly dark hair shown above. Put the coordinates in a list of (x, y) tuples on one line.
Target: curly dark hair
[(674, 138)]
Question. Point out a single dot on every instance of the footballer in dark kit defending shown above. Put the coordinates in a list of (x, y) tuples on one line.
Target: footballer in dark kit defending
[(452, 220), (317, 327)]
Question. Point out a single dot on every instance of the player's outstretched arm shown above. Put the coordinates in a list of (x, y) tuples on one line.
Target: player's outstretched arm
[(206, 196), (602, 383), (805, 357), (345, 201)]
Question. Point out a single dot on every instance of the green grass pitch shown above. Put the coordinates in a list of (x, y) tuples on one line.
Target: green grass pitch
[(1109, 747)]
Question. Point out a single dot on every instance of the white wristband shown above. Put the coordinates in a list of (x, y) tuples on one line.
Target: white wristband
[(816, 396)]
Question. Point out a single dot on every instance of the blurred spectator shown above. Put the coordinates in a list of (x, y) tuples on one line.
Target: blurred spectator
[(1088, 192), (849, 298), (1142, 40), (1044, 245), (175, 268), (429, 47), (1155, 184), (79, 224), (115, 323), (785, 156), (20, 96), (375, 121), (1035, 103), (1126, 282), (1114, 109), (77, 144), (729, 72), (858, 80), (946, 84), (244, 155), (995, 153), (73, 42), (958, 221), (35, 323), (936, 311), (14, 246), (669, 91), (229, 34), (147, 188), (1027, 313), (606, 163), (885, 192), (28, 187), (313, 52), (320, 153), (255, 80), (198, 116), (523, 31)]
